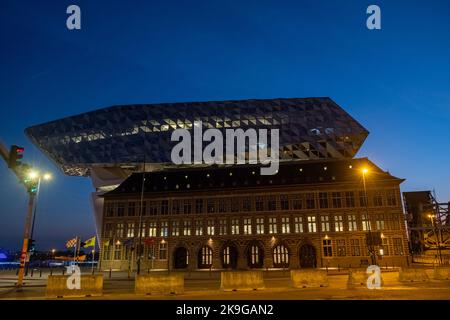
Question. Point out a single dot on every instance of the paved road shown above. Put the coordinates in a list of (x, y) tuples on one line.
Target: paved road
[(206, 285)]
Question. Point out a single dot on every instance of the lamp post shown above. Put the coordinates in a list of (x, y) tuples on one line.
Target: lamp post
[(366, 200), (32, 176), (433, 226)]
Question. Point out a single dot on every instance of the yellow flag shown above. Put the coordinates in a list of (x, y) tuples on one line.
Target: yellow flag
[(89, 242)]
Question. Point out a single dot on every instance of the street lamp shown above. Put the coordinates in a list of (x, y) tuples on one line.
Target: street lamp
[(33, 192), (366, 200)]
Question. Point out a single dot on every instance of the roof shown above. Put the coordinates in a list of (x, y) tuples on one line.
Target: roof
[(248, 176)]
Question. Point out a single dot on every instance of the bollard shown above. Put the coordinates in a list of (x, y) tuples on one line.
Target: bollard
[(110, 272)]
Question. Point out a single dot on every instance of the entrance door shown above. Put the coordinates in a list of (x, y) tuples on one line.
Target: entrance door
[(180, 258), (307, 256)]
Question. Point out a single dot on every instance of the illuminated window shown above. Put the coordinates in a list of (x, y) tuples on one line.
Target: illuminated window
[(164, 229), (163, 250), (234, 226), (247, 226), (152, 229), (198, 227), (338, 223), (285, 225), (187, 227), (175, 228), (210, 227), (380, 221), (385, 246), (352, 225), (206, 256), (298, 224), (260, 225), (280, 256), (366, 225), (273, 225), (355, 248), (130, 230), (223, 226), (143, 229), (325, 223), (119, 230), (312, 225), (118, 252)]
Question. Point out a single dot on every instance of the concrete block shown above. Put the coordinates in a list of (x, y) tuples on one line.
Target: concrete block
[(90, 285), (160, 283), (412, 275), (441, 273), (241, 280), (357, 278), (304, 278)]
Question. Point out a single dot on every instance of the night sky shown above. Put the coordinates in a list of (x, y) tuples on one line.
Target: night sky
[(394, 81)]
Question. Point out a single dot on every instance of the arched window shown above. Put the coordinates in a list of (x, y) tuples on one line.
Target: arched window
[(205, 258), (280, 256), (254, 254)]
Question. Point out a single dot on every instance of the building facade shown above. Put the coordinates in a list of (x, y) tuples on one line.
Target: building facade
[(310, 214)]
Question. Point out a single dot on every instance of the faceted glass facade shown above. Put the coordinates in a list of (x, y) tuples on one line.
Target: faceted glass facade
[(310, 128)]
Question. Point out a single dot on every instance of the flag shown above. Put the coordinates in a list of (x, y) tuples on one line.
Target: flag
[(72, 242), (107, 242), (149, 241), (88, 243)]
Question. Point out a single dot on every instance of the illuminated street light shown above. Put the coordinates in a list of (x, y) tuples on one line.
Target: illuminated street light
[(33, 175), (47, 176)]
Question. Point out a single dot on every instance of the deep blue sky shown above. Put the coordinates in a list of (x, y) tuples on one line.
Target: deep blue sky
[(395, 81)]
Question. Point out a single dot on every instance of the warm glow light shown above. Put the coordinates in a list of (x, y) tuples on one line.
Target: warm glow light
[(47, 176), (163, 241), (53, 250), (364, 170), (118, 242), (33, 174)]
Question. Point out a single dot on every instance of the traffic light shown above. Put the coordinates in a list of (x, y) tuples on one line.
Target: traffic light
[(31, 245), (15, 154)]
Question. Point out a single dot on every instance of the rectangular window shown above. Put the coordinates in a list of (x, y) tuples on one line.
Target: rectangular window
[(391, 198), (107, 252), (380, 221), (210, 228), (198, 227), (260, 225), (352, 224), (234, 226), (164, 229), (119, 230), (312, 225), (362, 199), (247, 204), (378, 199), (152, 229), (297, 202), (338, 223), (340, 243), (175, 228), (121, 209), (109, 209), (153, 208), (131, 209), (187, 227), (273, 225), (117, 252), (199, 205), (108, 233), (327, 249), (176, 207), (187, 207), (223, 226), (350, 199), (210, 206), (130, 230), (272, 204), (165, 207), (323, 200), (247, 226), (385, 246), (325, 223), (224, 205), (143, 229), (285, 225), (310, 201), (398, 246), (298, 224), (355, 248), (284, 202), (337, 199), (396, 218), (366, 225), (259, 204), (163, 250)]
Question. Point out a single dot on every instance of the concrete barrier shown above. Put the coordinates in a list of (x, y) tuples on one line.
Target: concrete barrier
[(412, 275), (90, 285), (159, 283), (241, 280), (358, 278), (441, 273), (303, 278)]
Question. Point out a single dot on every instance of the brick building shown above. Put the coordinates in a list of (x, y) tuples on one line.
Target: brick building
[(312, 213)]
